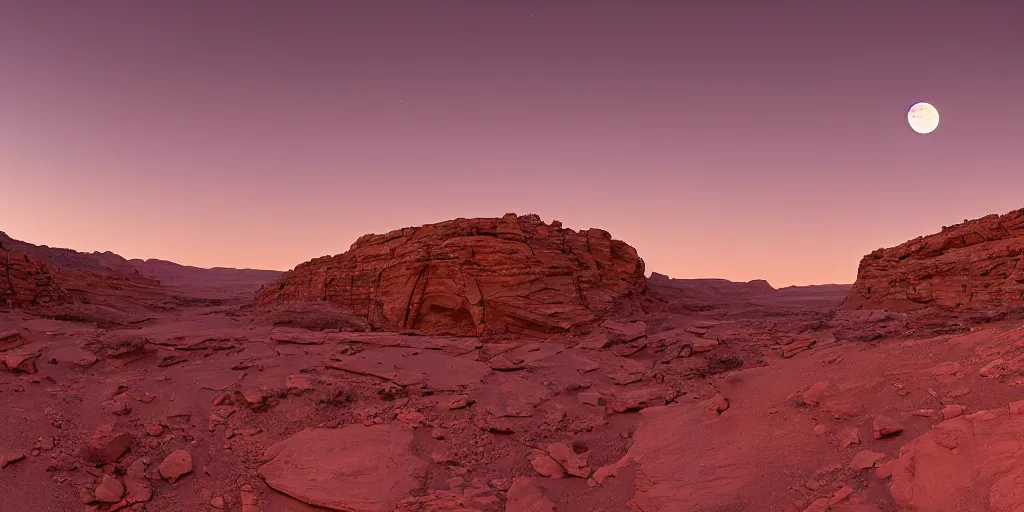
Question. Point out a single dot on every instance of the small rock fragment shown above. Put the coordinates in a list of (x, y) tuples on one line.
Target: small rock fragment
[(812, 396), (138, 488), (46, 443), (885, 470), (865, 459), (850, 436), (8, 458), (981, 416), (884, 426), (718, 404), (818, 505), (952, 411), (110, 490), (248, 499), (459, 402), (117, 408), (993, 369), (545, 465), (441, 457), (840, 495), (86, 495), (572, 462), (1017, 407), (412, 418), (947, 368), (605, 472), (107, 444), (175, 465), (21, 362)]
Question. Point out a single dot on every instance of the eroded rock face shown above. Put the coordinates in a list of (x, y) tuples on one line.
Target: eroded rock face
[(27, 282), (974, 266), (470, 276)]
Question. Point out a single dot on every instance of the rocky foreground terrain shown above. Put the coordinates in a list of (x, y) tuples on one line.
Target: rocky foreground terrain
[(512, 365)]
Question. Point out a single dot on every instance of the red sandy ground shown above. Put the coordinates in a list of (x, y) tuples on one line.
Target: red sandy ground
[(440, 423)]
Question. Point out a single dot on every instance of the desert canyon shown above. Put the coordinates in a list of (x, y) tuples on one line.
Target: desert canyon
[(512, 364)]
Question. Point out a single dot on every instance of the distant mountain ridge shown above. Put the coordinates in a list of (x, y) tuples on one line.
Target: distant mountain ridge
[(163, 271)]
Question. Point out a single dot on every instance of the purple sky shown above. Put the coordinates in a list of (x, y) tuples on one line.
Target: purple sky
[(744, 140)]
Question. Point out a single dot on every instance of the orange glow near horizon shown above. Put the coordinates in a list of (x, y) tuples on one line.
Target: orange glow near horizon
[(269, 136)]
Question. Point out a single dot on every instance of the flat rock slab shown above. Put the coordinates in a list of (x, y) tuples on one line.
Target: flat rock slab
[(680, 473), (355, 468), (11, 339), (380, 339), (511, 396), (297, 336), (407, 367), (450, 345), (76, 357), (532, 355), (445, 345), (199, 342), (620, 370)]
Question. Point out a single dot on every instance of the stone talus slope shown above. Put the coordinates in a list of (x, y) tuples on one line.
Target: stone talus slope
[(974, 266), (471, 276)]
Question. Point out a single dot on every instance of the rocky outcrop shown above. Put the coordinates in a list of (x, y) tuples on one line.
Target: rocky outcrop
[(971, 267), (27, 282), (471, 276)]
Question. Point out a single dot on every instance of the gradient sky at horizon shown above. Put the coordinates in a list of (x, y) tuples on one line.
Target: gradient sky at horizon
[(741, 140)]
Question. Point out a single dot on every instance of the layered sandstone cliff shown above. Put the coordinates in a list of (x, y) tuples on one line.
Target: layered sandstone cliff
[(471, 276), (974, 266), (28, 283)]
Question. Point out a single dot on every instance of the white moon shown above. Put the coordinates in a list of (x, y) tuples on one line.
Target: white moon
[(923, 118)]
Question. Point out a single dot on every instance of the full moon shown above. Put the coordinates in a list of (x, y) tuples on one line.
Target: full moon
[(923, 118)]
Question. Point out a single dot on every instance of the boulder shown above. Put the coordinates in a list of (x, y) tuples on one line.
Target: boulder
[(110, 490), (108, 444), (176, 465)]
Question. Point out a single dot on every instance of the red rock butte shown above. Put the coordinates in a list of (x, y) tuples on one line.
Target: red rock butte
[(472, 276), (974, 266)]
